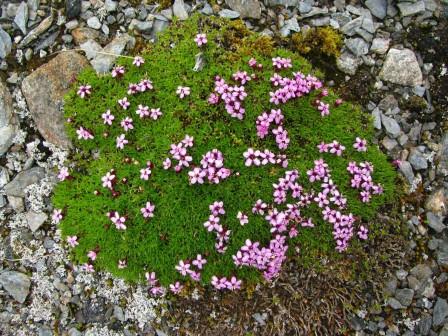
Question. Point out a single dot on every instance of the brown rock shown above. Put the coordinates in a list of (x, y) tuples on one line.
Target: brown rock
[(44, 90), (83, 34)]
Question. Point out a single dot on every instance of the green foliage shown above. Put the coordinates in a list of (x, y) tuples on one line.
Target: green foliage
[(323, 40), (176, 232)]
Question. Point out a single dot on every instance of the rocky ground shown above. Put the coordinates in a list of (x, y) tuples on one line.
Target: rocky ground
[(393, 62)]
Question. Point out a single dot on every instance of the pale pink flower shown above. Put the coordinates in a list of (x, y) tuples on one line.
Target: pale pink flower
[(63, 174), (56, 217), (138, 61), (91, 255), (121, 141), (72, 241)]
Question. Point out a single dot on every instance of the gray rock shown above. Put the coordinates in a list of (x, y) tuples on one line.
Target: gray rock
[(179, 10), (21, 18), (401, 274), (290, 25), (103, 63), (39, 30), (110, 5), (389, 143), (16, 284), (158, 27), (357, 46), (35, 220), (401, 67), (33, 6), (91, 48), (411, 8), (425, 324), (141, 26), (435, 222), (421, 272), (376, 114), (247, 8), (406, 170), (390, 287), (348, 63), (44, 90), (417, 160), (444, 331), (207, 9), (394, 303), (440, 312), (94, 23), (380, 45), (442, 254), (22, 180), (305, 7), (5, 43), (367, 22), (8, 119), (341, 18), (129, 13), (320, 22), (377, 7), (365, 35), (404, 296), (118, 313), (72, 8), (285, 3), (391, 126), (229, 14), (442, 167), (350, 27), (316, 11)]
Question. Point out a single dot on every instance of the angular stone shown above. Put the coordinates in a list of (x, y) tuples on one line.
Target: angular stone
[(440, 312), (411, 8), (348, 63), (229, 14), (285, 3), (406, 170), (83, 34), (247, 8), (5, 43), (435, 222), (21, 18), (357, 46), (437, 202), (401, 67), (8, 119), (421, 272), (442, 167), (380, 45), (417, 160), (141, 26), (39, 30), (72, 8), (394, 303), (102, 63), (404, 296), (391, 126), (179, 10), (290, 25), (376, 114), (377, 7), (16, 284), (350, 28), (22, 180), (35, 220), (44, 90), (94, 23)]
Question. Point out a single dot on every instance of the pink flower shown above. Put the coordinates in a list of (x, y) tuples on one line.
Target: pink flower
[(324, 109), (217, 208), (145, 85), (176, 288), (124, 103), (252, 62), (213, 99), (56, 217), (122, 264), (108, 179), (126, 123), (183, 268), (151, 278), (281, 63), (188, 141), (72, 241), (142, 111), (118, 71), (242, 218), (138, 61), (197, 176), (167, 164), (84, 91), (360, 144), (363, 232), (200, 39), (121, 141), (155, 113), (91, 255), (148, 210), (63, 174), (107, 118), (118, 221), (145, 173), (199, 261), (336, 148), (133, 89), (233, 284), (183, 91), (84, 134), (88, 268)]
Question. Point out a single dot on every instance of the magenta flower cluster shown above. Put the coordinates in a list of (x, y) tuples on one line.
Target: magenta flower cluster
[(179, 153), (232, 96), (362, 180), (213, 225), (264, 122), (262, 158), (333, 148), (212, 168), (223, 283)]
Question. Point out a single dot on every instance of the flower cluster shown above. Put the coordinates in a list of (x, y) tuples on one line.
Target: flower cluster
[(213, 225), (232, 96), (281, 63), (264, 122), (179, 153), (144, 111), (267, 259), (222, 283), (254, 64), (333, 147), (262, 158), (153, 282), (362, 180), (242, 77), (84, 133), (212, 168), (285, 184), (185, 267), (290, 88)]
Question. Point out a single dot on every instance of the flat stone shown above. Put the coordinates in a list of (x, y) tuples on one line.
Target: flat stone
[(348, 63), (22, 180), (290, 25), (320, 22), (229, 14), (83, 34), (389, 143), (380, 45), (305, 7), (158, 27), (247, 8), (357, 46), (376, 114), (5, 43), (391, 126), (103, 63), (435, 222), (39, 30), (141, 26), (421, 272), (404, 296), (21, 18), (16, 284), (316, 11), (91, 48), (442, 167), (94, 23), (44, 90), (425, 324), (417, 159), (377, 7), (411, 8), (406, 170), (394, 303), (442, 256), (35, 220), (350, 28), (401, 67), (179, 10), (284, 3), (8, 119), (440, 312)]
